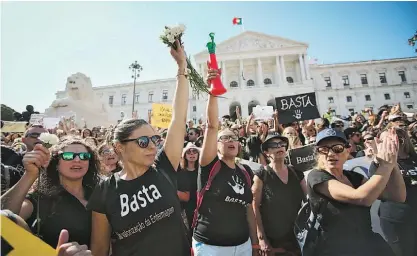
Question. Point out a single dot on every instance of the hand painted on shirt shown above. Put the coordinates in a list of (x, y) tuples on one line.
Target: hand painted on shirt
[(238, 186)]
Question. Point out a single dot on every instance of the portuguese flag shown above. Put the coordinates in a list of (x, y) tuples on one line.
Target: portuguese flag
[(237, 21)]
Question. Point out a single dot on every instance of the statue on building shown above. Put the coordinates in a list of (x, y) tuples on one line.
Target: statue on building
[(81, 101)]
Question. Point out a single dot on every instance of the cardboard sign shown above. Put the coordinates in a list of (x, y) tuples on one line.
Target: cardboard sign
[(36, 119), (161, 115), (23, 242), (304, 158), (13, 126), (51, 122), (263, 112), (254, 166), (297, 108)]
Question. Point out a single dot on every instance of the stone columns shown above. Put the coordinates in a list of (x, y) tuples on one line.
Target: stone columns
[(224, 75), (303, 74), (259, 73), (278, 77), (201, 67), (307, 67), (241, 82), (283, 71)]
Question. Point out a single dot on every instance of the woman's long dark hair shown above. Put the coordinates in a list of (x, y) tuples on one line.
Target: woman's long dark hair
[(50, 185)]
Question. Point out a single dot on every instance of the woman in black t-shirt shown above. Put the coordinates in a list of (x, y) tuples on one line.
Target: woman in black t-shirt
[(137, 209), (187, 181), (348, 196), (278, 191), (225, 218), (398, 220), (62, 193)]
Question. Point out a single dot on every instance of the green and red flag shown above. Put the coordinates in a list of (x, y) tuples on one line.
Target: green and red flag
[(237, 21)]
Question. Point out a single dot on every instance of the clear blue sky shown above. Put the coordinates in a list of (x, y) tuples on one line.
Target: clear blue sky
[(43, 43)]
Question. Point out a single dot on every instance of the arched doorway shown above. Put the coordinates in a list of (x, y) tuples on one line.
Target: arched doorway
[(272, 103), (251, 105), (232, 110)]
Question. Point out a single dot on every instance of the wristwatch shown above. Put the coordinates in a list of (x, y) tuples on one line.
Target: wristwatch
[(182, 72)]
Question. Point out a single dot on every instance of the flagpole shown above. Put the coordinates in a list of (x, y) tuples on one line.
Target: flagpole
[(243, 28)]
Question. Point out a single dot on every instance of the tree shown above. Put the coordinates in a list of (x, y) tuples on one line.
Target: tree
[(7, 113), (412, 41)]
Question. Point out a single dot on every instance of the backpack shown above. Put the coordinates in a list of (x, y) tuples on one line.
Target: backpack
[(213, 172), (307, 227)]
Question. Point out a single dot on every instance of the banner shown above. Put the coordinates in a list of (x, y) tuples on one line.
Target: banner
[(360, 165), (161, 115), (36, 119), (297, 108), (13, 126), (22, 242), (304, 158)]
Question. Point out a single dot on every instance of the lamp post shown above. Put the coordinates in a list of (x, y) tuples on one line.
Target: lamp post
[(136, 68)]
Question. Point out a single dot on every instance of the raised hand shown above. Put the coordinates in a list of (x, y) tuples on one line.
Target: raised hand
[(387, 149), (64, 248), (38, 157), (179, 55), (211, 74)]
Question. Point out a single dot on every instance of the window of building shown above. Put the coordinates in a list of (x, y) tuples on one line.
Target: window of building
[(333, 112), (351, 110), (194, 95), (387, 96), (382, 78), (290, 80), (402, 76), (250, 83), (410, 106), (267, 81), (123, 99), (233, 84), (164, 95), (137, 96), (150, 97), (111, 100), (328, 81), (407, 95), (345, 80), (364, 79), (194, 108), (331, 100), (349, 98), (368, 97)]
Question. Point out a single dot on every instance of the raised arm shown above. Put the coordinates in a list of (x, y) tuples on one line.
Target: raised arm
[(209, 150), (174, 144)]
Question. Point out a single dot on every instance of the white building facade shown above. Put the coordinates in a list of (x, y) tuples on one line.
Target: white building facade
[(257, 67)]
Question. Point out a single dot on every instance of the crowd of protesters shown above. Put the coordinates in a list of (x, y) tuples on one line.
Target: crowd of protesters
[(135, 189)]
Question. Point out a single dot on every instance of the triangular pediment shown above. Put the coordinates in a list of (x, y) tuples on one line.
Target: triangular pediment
[(254, 41)]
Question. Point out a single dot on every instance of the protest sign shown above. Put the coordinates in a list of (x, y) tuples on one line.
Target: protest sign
[(36, 119), (51, 122), (13, 126), (360, 165), (161, 115), (21, 241), (297, 108), (263, 112), (254, 166), (304, 158)]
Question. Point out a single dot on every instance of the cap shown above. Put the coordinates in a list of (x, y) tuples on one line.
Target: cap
[(189, 146), (271, 137), (327, 134)]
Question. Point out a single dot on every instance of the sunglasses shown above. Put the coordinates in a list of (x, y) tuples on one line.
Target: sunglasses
[(191, 134), (107, 152), (369, 138), (69, 156), (277, 145), (226, 138), (143, 141), (33, 135), (339, 126), (324, 150), (192, 151)]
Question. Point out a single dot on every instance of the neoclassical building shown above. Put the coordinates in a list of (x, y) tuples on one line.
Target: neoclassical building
[(257, 67)]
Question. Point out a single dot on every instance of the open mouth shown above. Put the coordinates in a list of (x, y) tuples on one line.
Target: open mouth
[(231, 147), (333, 161), (76, 168)]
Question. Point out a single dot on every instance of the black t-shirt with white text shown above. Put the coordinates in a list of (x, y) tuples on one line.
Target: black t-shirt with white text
[(144, 213), (222, 217)]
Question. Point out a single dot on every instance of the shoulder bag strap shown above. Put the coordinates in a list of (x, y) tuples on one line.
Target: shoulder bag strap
[(200, 194), (247, 176)]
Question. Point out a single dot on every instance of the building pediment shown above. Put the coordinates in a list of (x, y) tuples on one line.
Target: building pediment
[(253, 41)]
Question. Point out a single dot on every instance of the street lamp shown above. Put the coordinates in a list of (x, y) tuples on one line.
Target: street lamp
[(136, 69)]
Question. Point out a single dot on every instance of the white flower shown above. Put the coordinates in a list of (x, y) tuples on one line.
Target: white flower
[(49, 139), (171, 38), (167, 31), (176, 31), (182, 28)]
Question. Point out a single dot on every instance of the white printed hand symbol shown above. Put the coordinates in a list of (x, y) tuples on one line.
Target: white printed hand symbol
[(239, 185), (297, 114)]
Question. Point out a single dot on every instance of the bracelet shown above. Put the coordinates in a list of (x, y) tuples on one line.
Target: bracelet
[(256, 246), (182, 75)]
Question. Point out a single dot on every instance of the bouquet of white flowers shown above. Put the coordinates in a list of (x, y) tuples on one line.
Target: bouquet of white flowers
[(168, 37)]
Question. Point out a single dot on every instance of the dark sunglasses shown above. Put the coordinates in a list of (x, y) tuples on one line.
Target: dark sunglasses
[(337, 148), (369, 138), (33, 135), (143, 141), (277, 145), (107, 152), (226, 138), (68, 156), (191, 134), (192, 151), (339, 126)]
